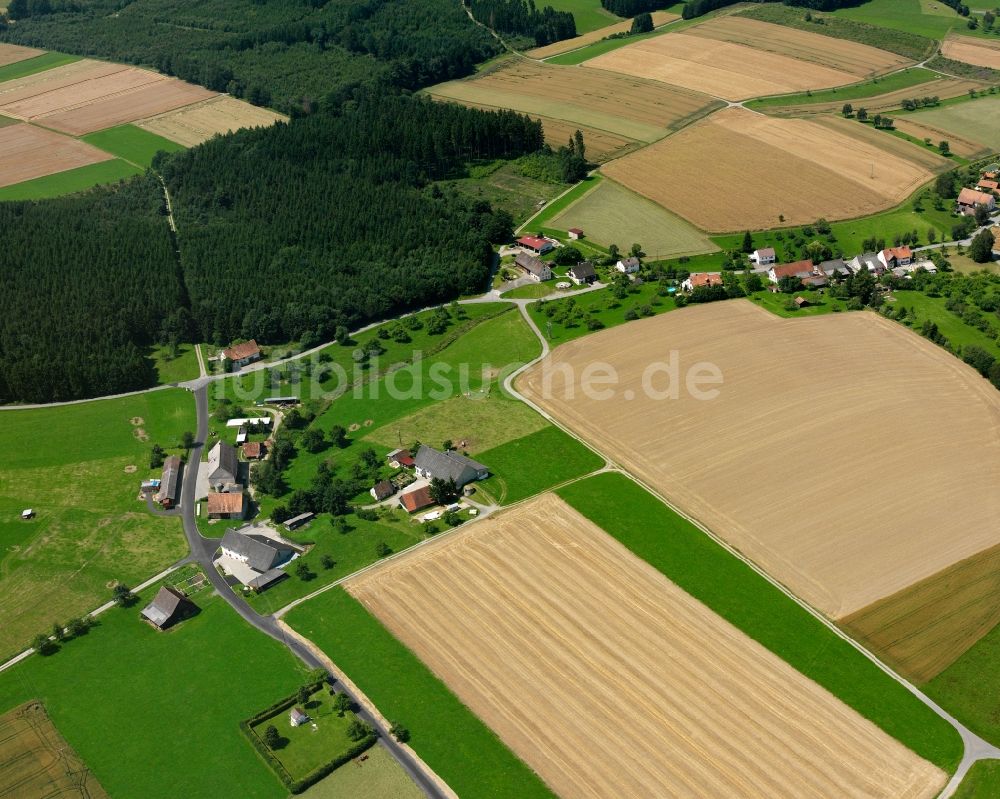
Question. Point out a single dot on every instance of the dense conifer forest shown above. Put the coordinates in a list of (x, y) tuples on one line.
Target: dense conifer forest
[(521, 17)]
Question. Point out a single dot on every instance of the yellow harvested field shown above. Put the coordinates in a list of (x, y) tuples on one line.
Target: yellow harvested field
[(939, 87), (79, 72), (28, 152), (845, 454), (857, 59), (925, 159), (556, 48), (195, 124), (12, 53), (981, 52), (610, 681), (739, 170), (622, 106), (967, 148), (718, 68)]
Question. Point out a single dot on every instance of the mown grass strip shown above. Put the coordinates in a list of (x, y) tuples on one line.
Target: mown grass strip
[(70, 181), (132, 144), (855, 91), (40, 63), (747, 600)]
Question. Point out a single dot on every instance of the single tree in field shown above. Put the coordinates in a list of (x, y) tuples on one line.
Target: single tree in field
[(847, 110), (156, 457), (944, 148), (326, 561), (341, 703), (271, 737), (382, 549), (579, 146), (187, 439), (122, 595)]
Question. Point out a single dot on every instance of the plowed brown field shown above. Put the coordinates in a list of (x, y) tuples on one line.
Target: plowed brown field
[(610, 681), (12, 53), (28, 152), (846, 455), (659, 18), (195, 124), (981, 52), (739, 170)]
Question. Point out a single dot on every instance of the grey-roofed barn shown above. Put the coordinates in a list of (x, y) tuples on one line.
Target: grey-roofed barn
[(431, 463), (168, 606), (223, 465), (167, 495), (257, 551)]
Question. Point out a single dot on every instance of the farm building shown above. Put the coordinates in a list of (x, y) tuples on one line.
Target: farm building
[(801, 302), (533, 267), (253, 450), (763, 257), (415, 500), (867, 260), (168, 607), (701, 279), (799, 269), (231, 505), (241, 354), (970, 199), (582, 273), (297, 717), (815, 281), (575, 233), (167, 495), (254, 422), (223, 465), (432, 463), (895, 256), (399, 458), (988, 186), (297, 521), (535, 244), (253, 556), (383, 489), (628, 266), (833, 267)]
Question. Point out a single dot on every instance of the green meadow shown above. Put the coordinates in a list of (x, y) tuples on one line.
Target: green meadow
[(132, 144), (70, 181)]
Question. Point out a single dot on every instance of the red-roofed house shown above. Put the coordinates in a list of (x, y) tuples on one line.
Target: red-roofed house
[(701, 279), (399, 458), (242, 354), (417, 499), (970, 199), (987, 186), (226, 506), (253, 450), (799, 269), (535, 244), (575, 233), (896, 256)]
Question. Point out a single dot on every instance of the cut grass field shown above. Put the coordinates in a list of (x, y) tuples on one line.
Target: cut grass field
[(137, 704), (193, 124), (37, 763), (132, 144), (978, 121), (508, 189), (613, 214), (172, 368), (557, 48), (516, 597), (70, 181), (933, 20), (377, 777), (982, 781), (39, 63), (589, 15), (445, 733), (699, 566), (69, 465)]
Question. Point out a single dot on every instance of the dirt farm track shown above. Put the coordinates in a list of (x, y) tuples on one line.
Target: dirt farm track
[(635, 689), (846, 455)]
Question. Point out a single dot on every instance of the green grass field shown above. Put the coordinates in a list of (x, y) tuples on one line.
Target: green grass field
[(69, 465), (732, 589), (70, 181), (978, 120), (155, 715), (445, 734), (39, 63), (132, 144), (951, 326), (508, 189), (557, 206), (532, 291), (607, 45), (611, 214), (982, 781), (931, 19), (588, 14), (532, 464), (856, 91), (819, 303), (378, 777), (175, 368)]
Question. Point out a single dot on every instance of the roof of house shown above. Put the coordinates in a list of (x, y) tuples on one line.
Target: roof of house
[(582, 270), (252, 449), (299, 715), (445, 465), (416, 499), (222, 457), (834, 265), (795, 269), (260, 551), (705, 279), (899, 253), (814, 280), (237, 352), (765, 252), (576, 231), (630, 261), (265, 579), (164, 605), (533, 241), (383, 489), (868, 259), (972, 197), (401, 456), (231, 502), (168, 481), (992, 185), (531, 263)]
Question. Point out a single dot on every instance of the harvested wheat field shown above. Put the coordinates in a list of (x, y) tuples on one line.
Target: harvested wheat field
[(12, 53), (944, 88), (859, 60), (564, 46), (960, 145), (28, 152), (628, 107), (37, 763), (718, 68), (78, 72), (824, 457), (739, 170), (195, 124), (981, 52), (923, 629), (633, 690)]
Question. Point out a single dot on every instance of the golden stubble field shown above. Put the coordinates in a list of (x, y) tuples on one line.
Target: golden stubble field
[(28, 152), (847, 456), (610, 681), (194, 124), (741, 170), (981, 52), (12, 53)]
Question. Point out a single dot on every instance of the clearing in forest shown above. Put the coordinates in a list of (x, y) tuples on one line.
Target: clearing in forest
[(811, 458), (506, 614), (197, 123), (981, 52), (28, 152), (740, 170)]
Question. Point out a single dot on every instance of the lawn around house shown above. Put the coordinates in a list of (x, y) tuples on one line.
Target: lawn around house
[(444, 732), (697, 564), (137, 704), (74, 466)]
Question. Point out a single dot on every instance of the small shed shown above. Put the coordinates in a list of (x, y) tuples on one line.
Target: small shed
[(28, 513), (801, 302), (297, 717), (168, 607), (575, 233)]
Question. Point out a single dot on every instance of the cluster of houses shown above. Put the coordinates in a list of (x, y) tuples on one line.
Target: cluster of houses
[(583, 274), (982, 196), (226, 498), (428, 464)]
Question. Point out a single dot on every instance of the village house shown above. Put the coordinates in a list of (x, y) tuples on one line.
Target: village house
[(383, 489), (533, 267), (230, 505), (701, 279), (815, 281), (240, 355), (575, 233), (535, 244), (297, 717), (582, 273), (835, 266), (167, 495), (987, 186), (253, 556), (799, 269), (399, 458), (763, 257), (868, 261), (908, 270), (970, 199), (168, 607), (223, 466), (895, 256), (417, 499), (628, 266), (253, 450), (432, 464)]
